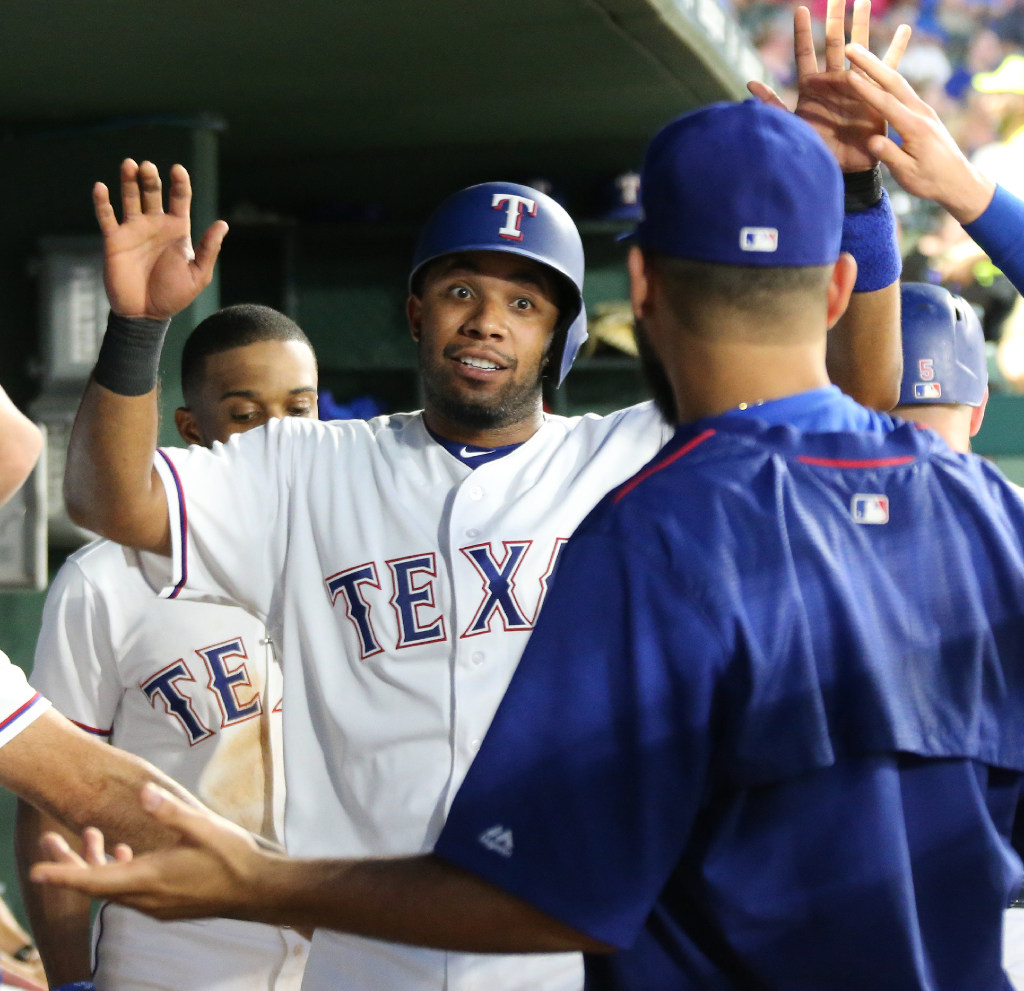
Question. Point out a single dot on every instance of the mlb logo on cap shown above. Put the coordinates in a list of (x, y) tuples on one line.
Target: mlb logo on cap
[(759, 239), (869, 508), (927, 390)]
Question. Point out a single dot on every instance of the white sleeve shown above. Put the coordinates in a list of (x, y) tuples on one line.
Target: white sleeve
[(20, 703), (223, 504), (76, 660)]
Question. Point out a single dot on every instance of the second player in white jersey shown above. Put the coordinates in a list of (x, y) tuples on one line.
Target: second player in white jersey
[(195, 689)]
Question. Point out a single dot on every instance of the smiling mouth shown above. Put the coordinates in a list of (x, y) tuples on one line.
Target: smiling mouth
[(482, 363)]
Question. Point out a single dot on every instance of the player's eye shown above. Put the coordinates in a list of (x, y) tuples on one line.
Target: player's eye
[(244, 415), (522, 303), (305, 409), (460, 292)]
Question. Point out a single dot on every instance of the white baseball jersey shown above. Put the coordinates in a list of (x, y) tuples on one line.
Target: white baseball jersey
[(20, 703), (403, 586), (196, 690)]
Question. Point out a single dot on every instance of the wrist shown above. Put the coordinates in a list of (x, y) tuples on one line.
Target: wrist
[(863, 190), (973, 198), (129, 357), (870, 236)]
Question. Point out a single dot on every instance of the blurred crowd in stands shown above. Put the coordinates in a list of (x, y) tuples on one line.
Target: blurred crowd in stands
[(965, 58)]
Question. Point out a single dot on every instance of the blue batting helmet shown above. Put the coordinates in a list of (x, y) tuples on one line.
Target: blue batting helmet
[(944, 358), (504, 216)]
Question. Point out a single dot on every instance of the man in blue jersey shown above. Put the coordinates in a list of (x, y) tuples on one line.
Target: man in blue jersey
[(769, 730)]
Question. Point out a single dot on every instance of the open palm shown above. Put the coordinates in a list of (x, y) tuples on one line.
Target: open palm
[(844, 122), (150, 267)]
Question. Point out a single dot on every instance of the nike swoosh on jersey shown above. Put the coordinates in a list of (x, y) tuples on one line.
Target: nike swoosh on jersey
[(467, 453)]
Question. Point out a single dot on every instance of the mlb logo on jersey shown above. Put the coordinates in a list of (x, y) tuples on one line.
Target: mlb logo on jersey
[(869, 508), (759, 239), (927, 390)]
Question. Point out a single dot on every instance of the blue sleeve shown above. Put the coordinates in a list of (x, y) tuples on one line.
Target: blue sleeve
[(999, 231), (586, 786)]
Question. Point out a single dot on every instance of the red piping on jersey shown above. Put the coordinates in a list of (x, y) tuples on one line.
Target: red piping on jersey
[(674, 456), (91, 729), (853, 463), (17, 712), (182, 526)]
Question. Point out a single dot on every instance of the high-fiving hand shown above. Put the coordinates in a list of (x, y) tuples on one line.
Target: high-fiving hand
[(150, 267)]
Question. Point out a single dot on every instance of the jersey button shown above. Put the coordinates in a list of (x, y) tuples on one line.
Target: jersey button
[(477, 658), (472, 533), (476, 492), (474, 746)]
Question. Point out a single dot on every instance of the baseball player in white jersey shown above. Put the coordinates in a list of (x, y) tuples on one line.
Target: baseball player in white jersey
[(44, 758), (400, 562), (194, 688)]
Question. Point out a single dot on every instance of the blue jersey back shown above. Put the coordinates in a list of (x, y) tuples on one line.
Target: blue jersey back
[(769, 729)]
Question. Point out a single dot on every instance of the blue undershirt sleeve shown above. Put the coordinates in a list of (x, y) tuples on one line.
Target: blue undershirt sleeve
[(999, 231)]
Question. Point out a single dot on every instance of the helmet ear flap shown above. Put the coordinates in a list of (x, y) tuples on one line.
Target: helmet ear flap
[(505, 216)]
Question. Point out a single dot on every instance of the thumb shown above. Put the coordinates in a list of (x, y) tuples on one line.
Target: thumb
[(765, 94), (887, 151), (209, 248), (166, 808)]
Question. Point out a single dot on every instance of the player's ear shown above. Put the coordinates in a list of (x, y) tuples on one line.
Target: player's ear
[(185, 421), (414, 314), (840, 286), (978, 414), (639, 282)]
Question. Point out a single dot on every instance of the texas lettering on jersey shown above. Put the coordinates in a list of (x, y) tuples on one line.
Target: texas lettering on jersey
[(407, 586), (227, 677)]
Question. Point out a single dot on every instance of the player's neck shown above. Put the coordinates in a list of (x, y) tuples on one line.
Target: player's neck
[(726, 377), (499, 436)]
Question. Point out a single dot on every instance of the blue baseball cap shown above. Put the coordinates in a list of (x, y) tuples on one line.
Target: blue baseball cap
[(741, 184)]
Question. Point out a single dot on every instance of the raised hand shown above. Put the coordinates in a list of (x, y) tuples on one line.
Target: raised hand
[(928, 163), (150, 268), (844, 122)]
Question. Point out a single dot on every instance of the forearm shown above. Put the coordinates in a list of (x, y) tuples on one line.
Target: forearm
[(82, 782), (59, 918), (864, 353), (422, 901), (110, 485), (20, 444)]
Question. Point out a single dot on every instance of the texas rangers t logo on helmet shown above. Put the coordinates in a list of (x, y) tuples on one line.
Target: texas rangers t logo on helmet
[(517, 205)]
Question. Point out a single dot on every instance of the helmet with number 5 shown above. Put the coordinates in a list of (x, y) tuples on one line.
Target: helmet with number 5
[(944, 358), (504, 216)]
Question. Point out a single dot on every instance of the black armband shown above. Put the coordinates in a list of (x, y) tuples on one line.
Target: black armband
[(129, 356), (863, 189)]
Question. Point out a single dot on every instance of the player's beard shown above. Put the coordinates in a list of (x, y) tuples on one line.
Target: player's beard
[(515, 402), (655, 377)]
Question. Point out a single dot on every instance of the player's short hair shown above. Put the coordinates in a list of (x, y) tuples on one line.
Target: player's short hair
[(694, 285), (229, 328)]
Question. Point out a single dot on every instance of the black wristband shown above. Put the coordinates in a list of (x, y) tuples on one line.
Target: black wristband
[(129, 356), (863, 189)]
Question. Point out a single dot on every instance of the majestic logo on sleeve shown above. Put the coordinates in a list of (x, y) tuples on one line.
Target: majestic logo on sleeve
[(498, 840), (515, 207), (869, 508)]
